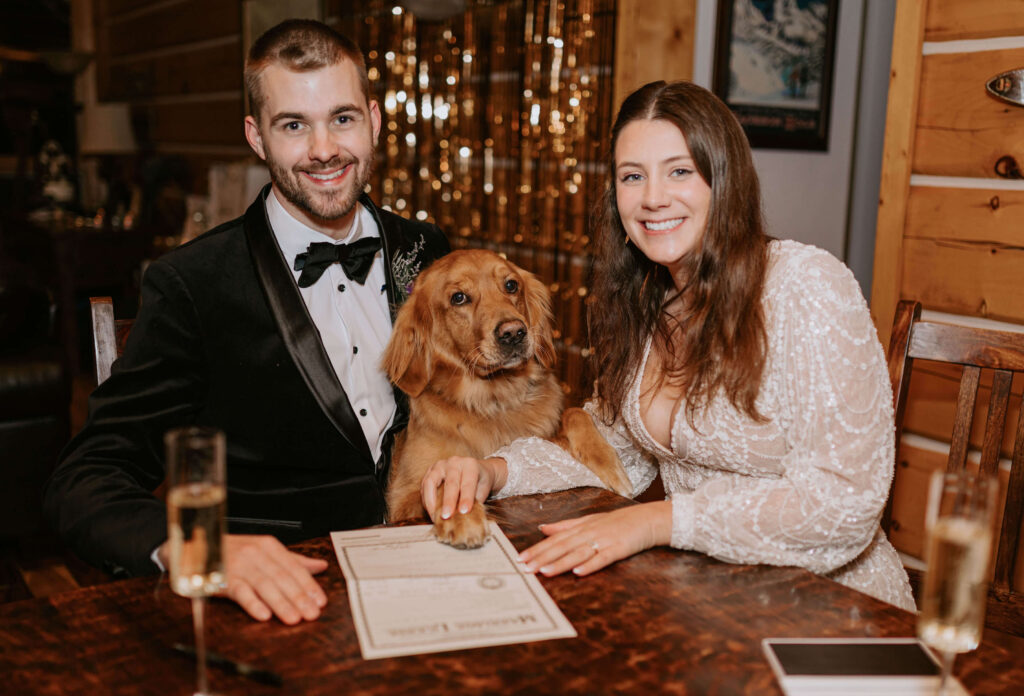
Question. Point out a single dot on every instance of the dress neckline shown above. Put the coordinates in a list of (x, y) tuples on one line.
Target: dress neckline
[(633, 407)]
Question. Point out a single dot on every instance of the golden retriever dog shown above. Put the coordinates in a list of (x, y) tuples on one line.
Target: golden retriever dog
[(472, 347)]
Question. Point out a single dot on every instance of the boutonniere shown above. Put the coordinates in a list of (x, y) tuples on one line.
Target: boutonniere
[(405, 266)]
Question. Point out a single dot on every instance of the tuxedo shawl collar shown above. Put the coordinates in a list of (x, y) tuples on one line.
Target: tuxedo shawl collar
[(393, 242), (298, 331)]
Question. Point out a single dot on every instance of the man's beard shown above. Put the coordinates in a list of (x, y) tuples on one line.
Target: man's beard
[(328, 205)]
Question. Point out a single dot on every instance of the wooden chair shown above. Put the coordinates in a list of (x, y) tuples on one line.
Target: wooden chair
[(975, 349), (108, 338), (108, 335)]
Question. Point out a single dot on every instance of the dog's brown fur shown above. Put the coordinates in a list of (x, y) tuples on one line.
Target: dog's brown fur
[(472, 347)]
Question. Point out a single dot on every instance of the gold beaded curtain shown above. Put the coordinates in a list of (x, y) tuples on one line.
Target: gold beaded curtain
[(495, 127)]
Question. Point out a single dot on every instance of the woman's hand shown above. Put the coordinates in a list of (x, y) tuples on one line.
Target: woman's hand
[(587, 544), (458, 482)]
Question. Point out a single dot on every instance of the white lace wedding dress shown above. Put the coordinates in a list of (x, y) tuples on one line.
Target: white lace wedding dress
[(807, 487)]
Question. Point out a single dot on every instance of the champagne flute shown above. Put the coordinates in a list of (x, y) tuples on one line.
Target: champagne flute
[(195, 524), (959, 528)]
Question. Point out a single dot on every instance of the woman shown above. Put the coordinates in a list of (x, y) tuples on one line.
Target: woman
[(749, 373)]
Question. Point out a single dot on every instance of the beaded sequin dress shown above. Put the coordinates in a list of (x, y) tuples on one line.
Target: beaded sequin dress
[(805, 488)]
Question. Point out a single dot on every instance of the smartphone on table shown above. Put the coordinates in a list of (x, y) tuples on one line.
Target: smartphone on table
[(854, 666)]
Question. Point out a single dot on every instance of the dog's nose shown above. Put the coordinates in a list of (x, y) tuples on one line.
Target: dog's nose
[(510, 333)]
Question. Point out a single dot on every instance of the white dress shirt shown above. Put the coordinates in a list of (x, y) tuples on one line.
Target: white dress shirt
[(353, 320)]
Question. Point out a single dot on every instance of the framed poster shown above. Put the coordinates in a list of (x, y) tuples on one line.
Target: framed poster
[(773, 67)]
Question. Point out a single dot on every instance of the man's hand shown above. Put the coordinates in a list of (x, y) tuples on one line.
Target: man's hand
[(266, 579)]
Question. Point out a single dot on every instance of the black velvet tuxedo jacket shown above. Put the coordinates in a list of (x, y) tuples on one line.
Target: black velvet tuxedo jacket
[(223, 338)]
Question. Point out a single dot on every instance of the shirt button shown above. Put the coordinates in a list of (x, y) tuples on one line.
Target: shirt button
[(341, 288), (362, 412), (355, 349)]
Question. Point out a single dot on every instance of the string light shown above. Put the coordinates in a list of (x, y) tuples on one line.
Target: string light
[(497, 122)]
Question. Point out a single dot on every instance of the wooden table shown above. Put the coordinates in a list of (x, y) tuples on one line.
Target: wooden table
[(661, 622)]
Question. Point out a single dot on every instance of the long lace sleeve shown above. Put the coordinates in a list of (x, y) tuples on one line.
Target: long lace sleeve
[(827, 373), (539, 466)]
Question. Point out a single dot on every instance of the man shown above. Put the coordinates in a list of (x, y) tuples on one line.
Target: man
[(252, 328)]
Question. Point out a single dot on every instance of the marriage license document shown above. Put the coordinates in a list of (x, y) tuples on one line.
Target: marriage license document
[(411, 594)]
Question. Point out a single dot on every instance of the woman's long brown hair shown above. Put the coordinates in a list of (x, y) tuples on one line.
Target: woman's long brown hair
[(718, 340)]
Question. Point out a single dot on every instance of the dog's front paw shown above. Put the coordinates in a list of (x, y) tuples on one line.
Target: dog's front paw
[(463, 531), (582, 439)]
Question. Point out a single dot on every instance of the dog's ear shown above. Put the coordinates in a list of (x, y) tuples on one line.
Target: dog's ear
[(538, 316), (406, 360)]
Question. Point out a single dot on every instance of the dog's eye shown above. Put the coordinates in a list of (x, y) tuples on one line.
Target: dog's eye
[(460, 298), (511, 285)]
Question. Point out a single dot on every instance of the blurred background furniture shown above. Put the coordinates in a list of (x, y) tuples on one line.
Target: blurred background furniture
[(34, 397), (78, 259), (106, 138), (999, 354)]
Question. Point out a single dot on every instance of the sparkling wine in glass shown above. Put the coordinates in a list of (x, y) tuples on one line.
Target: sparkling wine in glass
[(196, 505), (959, 530)]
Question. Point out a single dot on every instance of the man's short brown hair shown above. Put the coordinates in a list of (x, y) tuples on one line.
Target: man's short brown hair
[(300, 45)]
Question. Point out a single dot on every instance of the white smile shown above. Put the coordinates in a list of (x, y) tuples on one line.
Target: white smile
[(327, 177), (662, 226)]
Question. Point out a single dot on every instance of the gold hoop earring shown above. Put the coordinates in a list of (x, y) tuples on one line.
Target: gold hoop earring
[(626, 243)]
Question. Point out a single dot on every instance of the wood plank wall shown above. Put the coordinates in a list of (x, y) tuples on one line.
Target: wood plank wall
[(653, 41), (179, 64), (950, 227)]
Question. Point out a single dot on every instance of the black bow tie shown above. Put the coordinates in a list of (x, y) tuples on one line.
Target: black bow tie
[(355, 258)]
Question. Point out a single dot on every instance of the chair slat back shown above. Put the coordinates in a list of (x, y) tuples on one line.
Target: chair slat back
[(966, 345), (108, 335), (995, 422), (1009, 542), (975, 349), (959, 441)]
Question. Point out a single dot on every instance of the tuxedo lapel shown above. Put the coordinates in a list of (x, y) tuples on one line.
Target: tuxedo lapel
[(405, 252), (297, 328), (401, 256), (393, 243)]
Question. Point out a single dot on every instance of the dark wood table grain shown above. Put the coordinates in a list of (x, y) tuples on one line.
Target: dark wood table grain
[(664, 621)]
